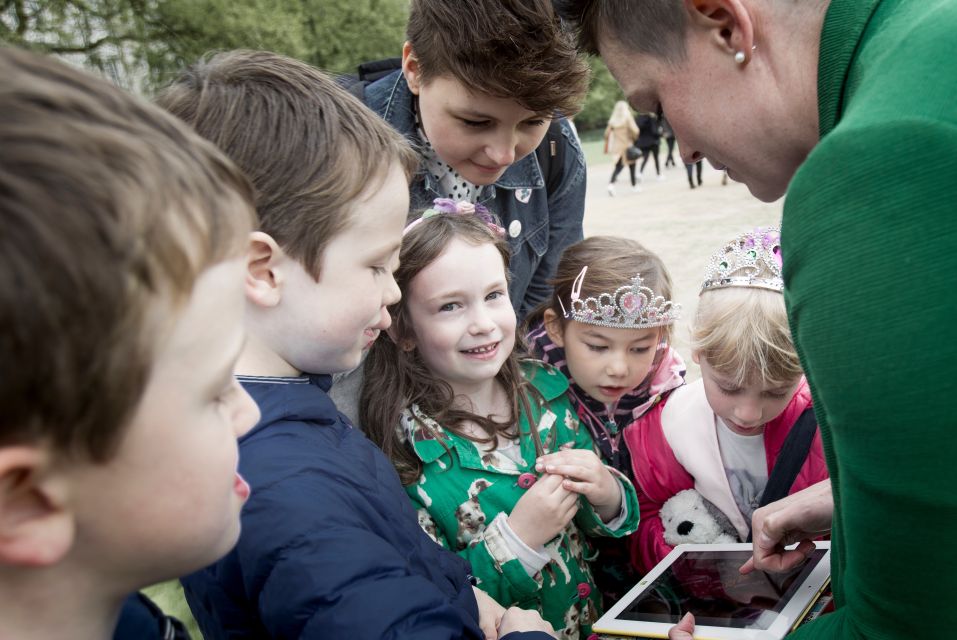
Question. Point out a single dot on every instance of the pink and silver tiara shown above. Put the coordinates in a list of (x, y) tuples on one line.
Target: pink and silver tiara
[(633, 306), (753, 259)]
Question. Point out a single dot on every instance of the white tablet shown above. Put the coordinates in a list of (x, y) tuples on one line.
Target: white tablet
[(704, 579)]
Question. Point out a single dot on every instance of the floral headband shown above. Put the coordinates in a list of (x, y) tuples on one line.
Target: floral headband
[(458, 207)]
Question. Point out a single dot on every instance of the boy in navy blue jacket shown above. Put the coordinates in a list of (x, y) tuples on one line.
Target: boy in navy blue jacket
[(330, 546), (121, 318)]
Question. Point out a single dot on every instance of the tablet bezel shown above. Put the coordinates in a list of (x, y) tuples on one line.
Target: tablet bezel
[(790, 615)]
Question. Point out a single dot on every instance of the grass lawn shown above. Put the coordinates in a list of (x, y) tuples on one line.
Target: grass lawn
[(169, 597), (593, 145)]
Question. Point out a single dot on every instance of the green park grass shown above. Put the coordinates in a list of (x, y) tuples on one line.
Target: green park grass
[(593, 146), (169, 597)]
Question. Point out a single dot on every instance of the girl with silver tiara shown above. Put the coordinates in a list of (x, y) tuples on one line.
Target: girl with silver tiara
[(607, 326)]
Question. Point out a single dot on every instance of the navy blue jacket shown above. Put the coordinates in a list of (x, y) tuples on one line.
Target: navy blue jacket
[(547, 222), (330, 544)]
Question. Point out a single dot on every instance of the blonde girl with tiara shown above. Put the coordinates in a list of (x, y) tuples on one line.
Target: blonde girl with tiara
[(464, 420), (744, 434), (607, 327)]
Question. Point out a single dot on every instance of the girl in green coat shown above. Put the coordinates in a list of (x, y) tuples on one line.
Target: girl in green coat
[(465, 422)]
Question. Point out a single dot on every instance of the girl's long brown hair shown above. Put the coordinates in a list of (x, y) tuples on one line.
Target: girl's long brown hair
[(395, 378)]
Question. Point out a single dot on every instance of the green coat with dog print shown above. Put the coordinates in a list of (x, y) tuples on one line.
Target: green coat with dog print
[(463, 487)]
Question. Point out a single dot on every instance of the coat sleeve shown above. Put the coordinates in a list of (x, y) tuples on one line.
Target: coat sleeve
[(497, 569), (658, 476), (313, 569), (882, 224), (566, 209)]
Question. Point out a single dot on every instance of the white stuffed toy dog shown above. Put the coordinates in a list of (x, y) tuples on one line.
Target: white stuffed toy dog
[(688, 518)]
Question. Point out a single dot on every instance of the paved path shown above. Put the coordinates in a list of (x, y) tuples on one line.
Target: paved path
[(681, 225)]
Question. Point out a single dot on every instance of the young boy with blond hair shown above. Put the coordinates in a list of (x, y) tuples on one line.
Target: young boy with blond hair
[(331, 546), (120, 322)]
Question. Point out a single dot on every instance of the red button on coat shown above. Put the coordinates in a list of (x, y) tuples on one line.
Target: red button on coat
[(584, 590), (526, 480)]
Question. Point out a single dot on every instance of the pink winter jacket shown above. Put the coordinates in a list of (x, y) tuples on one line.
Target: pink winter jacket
[(674, 447)]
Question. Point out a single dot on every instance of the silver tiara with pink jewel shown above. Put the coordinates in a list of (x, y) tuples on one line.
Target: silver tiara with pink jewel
[(753, 259), (633, 306)]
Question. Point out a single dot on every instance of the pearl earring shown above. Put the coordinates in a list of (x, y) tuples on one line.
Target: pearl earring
[(739, 57)]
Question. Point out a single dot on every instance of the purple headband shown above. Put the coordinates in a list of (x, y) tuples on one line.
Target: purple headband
[(458, 207)]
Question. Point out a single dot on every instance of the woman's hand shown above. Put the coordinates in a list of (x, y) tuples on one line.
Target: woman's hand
[(586, 475), (800, 517), (543, 512)]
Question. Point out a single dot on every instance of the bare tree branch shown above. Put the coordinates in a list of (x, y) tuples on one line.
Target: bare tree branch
[(91, 46), (22, 20)]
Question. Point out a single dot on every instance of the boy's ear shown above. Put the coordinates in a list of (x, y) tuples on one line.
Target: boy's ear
[(553, 327), (36, 525), (264, 273), (730, 25), (410, 68)]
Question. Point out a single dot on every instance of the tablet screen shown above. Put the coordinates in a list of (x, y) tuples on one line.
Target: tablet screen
[(711, 587)]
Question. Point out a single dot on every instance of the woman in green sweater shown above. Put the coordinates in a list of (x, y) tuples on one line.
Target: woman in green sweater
[(849, 109)]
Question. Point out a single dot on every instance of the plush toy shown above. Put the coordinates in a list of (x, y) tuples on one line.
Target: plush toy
[(689, 517)]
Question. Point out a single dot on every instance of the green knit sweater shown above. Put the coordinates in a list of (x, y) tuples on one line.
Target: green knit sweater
[(870, 264)]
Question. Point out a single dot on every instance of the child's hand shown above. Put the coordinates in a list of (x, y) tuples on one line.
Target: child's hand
[(516, 619), (684, 630), (543, 512), (585, 474), (490, 613)]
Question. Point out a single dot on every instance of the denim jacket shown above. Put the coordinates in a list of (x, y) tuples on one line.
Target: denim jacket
[(546, 223)]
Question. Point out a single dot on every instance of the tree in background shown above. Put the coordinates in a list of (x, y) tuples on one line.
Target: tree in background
[(140, 44), (603, 92)]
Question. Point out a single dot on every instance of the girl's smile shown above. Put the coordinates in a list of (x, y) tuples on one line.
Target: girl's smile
[(461, 316), (485, 352)]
